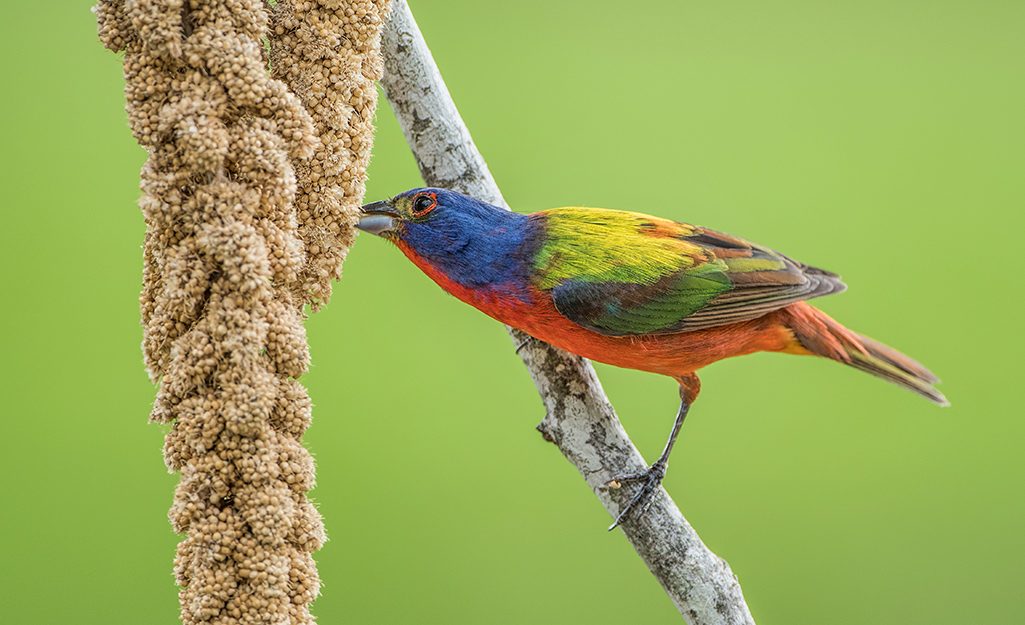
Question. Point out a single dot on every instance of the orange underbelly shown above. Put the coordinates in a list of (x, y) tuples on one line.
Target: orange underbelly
[(667, 354)]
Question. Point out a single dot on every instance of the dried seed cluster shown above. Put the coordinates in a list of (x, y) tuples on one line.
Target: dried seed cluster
[(328, 52), (229, 262)]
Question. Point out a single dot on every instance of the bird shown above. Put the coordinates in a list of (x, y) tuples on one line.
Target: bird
[(631, 290)]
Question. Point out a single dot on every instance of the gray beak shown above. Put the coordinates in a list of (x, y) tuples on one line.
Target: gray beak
[(378, 218)]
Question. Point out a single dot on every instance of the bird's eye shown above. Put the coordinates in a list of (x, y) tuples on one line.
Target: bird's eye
[(423, 204)]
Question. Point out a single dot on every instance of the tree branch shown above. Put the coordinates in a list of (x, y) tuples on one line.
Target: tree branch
[(580, 420)]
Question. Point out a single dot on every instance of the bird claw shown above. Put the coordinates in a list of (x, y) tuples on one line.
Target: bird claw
[(652, 479), (524, 343)]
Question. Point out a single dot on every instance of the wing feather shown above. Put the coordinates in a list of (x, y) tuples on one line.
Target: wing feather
[(715, 279)]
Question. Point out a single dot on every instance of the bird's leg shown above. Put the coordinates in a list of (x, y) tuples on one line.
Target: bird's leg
[(652, 478)]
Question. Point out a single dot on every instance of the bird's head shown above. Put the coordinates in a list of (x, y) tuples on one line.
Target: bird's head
[(393, 218), (447, 233), (432, 222)]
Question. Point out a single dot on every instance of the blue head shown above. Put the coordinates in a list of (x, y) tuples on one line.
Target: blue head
[(473, 243)]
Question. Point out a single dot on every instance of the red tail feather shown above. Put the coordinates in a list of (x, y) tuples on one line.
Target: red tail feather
[(818, 333)]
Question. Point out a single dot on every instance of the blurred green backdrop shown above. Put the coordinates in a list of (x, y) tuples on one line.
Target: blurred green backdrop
[(881, 140)]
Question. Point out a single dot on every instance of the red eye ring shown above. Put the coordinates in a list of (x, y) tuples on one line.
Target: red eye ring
[(424, 203)]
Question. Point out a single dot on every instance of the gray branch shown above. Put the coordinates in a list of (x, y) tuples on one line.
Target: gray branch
[(580, 420)]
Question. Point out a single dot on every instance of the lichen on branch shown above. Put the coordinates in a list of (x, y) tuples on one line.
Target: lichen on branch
[(234, 249)]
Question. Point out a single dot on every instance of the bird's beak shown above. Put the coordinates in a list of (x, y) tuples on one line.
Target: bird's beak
[(378, 218)]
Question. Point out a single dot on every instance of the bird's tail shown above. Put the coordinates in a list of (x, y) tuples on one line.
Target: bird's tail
[(818, 333)]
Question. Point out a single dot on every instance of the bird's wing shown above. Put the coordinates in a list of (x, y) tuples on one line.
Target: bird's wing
[(620, 273)]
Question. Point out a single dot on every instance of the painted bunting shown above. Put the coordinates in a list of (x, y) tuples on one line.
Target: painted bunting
[(630, 290)]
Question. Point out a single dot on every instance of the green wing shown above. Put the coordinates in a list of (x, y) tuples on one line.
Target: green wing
[(621, 273)]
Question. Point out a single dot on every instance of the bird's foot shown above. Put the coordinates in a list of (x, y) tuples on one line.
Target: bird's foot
[(524, 343), (651, 479)]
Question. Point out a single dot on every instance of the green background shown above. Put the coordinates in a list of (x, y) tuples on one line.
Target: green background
[(880, 140)]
